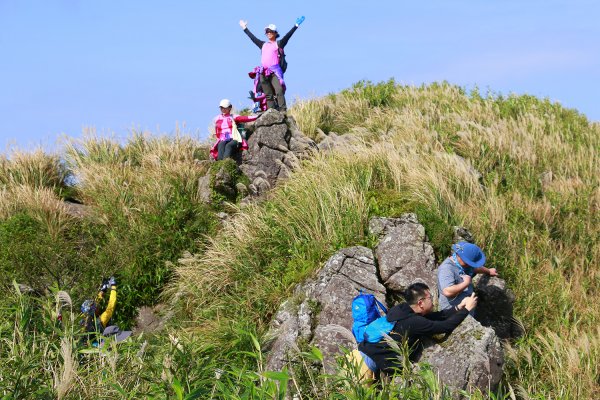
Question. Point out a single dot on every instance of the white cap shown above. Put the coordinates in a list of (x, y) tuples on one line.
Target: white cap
[(225, 103), (271, 27)]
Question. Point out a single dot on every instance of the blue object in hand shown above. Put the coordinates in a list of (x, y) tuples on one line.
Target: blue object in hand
[(299, 20)]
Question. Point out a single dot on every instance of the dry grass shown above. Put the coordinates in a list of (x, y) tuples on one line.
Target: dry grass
[(66, 381), (430, 144), (139, 175), (41, 203), (36, 169)]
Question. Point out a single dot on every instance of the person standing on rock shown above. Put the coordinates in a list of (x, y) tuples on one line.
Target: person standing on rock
[(273, 63), (456, 273), (229, 139), (413, 322)]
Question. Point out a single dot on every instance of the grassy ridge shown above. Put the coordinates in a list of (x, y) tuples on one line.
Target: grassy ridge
[(533, 208), (142, 211)]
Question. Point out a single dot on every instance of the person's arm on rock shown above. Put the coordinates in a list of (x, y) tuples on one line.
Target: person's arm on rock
[(486, 271), (454, 290)]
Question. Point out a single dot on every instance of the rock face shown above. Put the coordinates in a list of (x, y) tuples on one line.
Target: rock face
[(495, 307), (471, 357), (403, 254), (320, 312), (274, 150)]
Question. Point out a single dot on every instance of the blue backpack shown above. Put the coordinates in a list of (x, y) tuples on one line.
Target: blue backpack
[(378, 329), (369, 324)]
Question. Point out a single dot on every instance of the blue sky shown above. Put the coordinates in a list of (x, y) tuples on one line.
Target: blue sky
[(120, 65)]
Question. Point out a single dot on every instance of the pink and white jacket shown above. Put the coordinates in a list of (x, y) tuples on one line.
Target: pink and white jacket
[(224, 128)]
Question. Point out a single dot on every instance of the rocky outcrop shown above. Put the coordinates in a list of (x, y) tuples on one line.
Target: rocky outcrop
[(470, 358), (495, 307), (403, 254), (275, 148), (221, 183), (319, 313)]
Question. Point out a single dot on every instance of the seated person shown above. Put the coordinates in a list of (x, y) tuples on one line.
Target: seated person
[(229, 139), (455, 274), (413, 321)]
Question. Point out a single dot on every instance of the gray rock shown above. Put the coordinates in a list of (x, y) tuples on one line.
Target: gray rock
[(224, 183), (261, 185), (276, 137), (495, 307), (269, 118), (291, 161), (253, 189), (323, 315), (152, 319), (380, 226), (462, 234), (275, 148), (241, 188), (320, 135), (404, 256), (319, 313), (471, 357), (260, 173), (204, 190)]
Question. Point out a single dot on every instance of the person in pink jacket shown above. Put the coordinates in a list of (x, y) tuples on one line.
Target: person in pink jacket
[(272, 62), (229, 140)]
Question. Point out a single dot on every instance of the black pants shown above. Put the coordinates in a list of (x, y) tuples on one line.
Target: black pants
[(272, 87), (227, 149)]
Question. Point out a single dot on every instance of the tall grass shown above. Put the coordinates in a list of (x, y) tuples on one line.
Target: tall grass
[(470, 160), (145, 194), (521, 173), (36, 169), (142, 210)]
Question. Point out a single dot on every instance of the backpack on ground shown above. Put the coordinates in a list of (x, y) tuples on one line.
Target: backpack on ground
[(365, 310)]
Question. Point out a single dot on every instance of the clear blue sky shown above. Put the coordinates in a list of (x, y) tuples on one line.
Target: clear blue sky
[(118, 65)]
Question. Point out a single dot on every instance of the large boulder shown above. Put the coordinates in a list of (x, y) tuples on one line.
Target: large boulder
[(495, 307), (404, 255), (319, 313), (470, 358), (275, 149)]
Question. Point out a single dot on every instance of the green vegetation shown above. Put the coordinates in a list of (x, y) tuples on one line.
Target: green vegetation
[(520, 172)]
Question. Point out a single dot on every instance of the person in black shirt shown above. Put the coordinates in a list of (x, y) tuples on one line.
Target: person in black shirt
[(414, 320)]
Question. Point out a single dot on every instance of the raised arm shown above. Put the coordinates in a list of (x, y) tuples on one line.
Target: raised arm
[(287, 37), (110, 308), (255, 40)]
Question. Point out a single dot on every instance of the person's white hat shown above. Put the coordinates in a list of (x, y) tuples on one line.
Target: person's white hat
[(225, 103), (271, 27)]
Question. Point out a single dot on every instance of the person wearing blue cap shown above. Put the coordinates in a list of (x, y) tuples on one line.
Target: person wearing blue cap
[(456, 273)]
